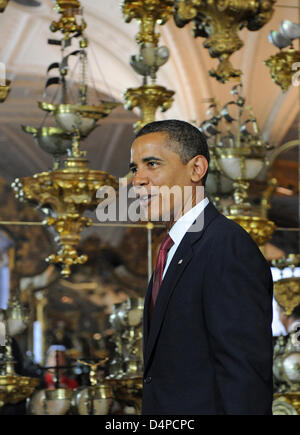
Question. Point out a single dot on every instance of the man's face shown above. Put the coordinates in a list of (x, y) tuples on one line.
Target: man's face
[(155, 165)]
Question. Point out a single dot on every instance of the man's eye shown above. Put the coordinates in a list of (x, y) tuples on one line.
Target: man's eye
[(152, 164), (133, 170)]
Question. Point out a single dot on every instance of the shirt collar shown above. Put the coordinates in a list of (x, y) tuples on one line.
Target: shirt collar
[(180, 227)]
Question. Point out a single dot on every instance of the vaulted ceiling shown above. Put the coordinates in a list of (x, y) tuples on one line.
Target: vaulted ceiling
[(24, 50), (24, 32)]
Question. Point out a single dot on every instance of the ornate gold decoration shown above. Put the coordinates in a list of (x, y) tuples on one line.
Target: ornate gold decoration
[(260, 229), (66, 193), (219, 22), (148, 98), (287, 293), (281, 67), (287, 290), (69, 190), (287, 404), (4, 91), (239, 154), (148, 13), (3, 4), (14, 388), (67, 23)]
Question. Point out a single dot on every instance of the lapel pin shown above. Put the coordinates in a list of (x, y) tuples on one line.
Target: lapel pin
[(180, 261)]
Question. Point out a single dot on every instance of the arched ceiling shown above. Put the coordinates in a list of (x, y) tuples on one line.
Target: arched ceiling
[(24, 32)]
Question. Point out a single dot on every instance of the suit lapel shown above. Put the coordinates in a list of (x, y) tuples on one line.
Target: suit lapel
[(146, 313), (181, 259)]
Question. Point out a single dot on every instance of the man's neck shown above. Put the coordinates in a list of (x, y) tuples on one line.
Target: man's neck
[(187, 206)]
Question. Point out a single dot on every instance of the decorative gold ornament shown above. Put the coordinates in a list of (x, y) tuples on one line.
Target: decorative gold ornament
[(287, 404), (13, 388), (148, 13), (281, 67), (287, 290), (260, 229), (287, 293), (4, 91), (66, 193), (3, 4), (148, 98), (219, 22), (67, 23)]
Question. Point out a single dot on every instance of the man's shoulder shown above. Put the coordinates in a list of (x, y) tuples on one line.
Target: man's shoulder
[(227, 227)]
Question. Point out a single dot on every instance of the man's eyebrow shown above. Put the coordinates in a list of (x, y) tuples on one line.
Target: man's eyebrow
[(145, 160)]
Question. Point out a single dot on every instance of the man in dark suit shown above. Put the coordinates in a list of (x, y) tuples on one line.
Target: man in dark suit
[(208, 308)]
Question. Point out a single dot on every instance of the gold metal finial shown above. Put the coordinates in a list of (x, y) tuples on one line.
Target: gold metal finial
[(67, 23), (148, 13), (148, 98)]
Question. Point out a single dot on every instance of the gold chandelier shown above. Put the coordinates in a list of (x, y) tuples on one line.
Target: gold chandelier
[(148, 97), (239, 154), (218, 21), (67, 191)]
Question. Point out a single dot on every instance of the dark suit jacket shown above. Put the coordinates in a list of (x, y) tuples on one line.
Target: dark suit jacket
[(209, 346)]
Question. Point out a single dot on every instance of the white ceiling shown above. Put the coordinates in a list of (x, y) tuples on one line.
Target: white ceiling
[(24, 32)]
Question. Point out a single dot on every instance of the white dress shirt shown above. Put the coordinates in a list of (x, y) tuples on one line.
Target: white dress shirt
[(180, 227)]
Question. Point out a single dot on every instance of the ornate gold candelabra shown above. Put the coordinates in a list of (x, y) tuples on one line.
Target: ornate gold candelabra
[(218, 22), (13, 388), (70, 115), (66, 194), (148, 97), (240, 155), (287, 290), (68, 190)]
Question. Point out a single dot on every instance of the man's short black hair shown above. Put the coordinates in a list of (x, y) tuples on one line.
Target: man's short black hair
[(186, 140)]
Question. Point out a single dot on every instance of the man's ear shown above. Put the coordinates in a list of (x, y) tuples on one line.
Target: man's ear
[(198, 168)]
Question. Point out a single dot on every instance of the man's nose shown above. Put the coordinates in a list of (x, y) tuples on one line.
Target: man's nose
[(140, 178)]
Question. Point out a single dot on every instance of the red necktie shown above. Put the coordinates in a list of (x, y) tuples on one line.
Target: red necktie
[(167, 243)]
